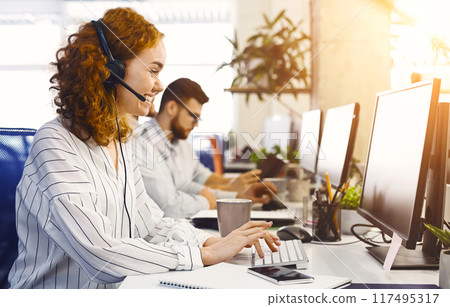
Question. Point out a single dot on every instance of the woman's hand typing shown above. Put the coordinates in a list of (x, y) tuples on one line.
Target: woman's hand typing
[(217, 250)]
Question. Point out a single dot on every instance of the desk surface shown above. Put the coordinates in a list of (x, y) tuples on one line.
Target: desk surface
[(351, 261)]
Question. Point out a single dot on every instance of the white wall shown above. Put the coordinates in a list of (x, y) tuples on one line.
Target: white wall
[(249, 117), (352, 43)]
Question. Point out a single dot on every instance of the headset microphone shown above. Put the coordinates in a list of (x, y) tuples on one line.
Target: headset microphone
[(125, 85), (115, 66)]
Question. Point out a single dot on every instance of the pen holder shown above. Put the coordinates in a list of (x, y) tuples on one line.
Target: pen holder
[(326, 222)]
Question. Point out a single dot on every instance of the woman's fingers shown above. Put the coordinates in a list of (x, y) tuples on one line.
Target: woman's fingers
[(251, 231), (252, 224), (276, 239), (258, 248), (271, 241)]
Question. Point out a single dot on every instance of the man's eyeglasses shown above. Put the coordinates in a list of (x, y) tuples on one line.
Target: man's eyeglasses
[(196, 118)]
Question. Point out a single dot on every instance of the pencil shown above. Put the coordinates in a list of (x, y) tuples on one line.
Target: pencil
[(346, 186), (341, 197), (337, 190), (342, 192), (329, 187)]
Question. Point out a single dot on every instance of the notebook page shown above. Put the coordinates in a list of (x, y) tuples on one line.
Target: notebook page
[(231, 276)]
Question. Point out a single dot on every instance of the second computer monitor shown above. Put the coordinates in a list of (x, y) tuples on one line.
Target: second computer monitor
[(309, 140), (277, 129), (338, 140)]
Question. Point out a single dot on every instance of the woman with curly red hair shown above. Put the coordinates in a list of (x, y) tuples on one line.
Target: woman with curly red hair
[(84, 219)]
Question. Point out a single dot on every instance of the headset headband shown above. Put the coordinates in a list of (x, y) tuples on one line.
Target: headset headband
[(98, 25)]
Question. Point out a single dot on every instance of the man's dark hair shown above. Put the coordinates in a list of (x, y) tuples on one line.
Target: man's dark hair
[(183, 89)]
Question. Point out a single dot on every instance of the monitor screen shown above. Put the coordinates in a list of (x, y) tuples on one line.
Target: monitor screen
[(338, 140), (277, 129), (296, 128), (398, 160), (309, 140)]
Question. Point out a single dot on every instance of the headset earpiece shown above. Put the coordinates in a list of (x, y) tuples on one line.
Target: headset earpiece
[(118, 68)]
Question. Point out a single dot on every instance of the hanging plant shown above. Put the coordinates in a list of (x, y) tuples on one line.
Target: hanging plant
[(273, 58)]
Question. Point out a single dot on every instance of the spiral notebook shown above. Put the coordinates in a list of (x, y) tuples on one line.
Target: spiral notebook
[(231, 276)]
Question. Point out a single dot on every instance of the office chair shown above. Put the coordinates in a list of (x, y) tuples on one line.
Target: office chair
[(211, 157), (15, 145), (217, 154)]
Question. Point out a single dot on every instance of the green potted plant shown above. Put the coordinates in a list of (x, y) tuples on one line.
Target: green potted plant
[(444, 260), (273, 58), (287, 155), (349, 215)]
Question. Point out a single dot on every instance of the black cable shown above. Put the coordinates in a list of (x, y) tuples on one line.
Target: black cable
[(346, 243), (124, 166), (359, 237), (125, 187), (384, 238), (447, 224)]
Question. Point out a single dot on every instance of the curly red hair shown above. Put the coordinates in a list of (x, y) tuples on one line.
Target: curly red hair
[(89, 107)]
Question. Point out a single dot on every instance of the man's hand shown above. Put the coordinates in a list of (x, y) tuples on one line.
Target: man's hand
[(241, 183), (259, 192), (217, 250), (209, 195)]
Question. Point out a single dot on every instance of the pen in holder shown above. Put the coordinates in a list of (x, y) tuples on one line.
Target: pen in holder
[(326, 222)]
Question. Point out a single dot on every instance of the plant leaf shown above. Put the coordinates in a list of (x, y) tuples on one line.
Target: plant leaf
[(281, 14), (290, 21), (442, 235), (266, 19), (234, 43)]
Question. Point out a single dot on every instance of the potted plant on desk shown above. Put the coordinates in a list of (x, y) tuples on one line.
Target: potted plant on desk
[(444, 260), (349, 215)]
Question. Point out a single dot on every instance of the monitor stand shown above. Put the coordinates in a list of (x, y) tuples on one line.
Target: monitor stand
[(406, 259)]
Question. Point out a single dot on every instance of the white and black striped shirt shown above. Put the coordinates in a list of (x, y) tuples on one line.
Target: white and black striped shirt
[(72, 225)]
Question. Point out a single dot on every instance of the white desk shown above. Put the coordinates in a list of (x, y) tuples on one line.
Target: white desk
[(352, 261)]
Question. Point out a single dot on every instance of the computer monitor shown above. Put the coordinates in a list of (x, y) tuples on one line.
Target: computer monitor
[(337, 143), (277, 129), (296, 129), (397, 164), (309, 140)]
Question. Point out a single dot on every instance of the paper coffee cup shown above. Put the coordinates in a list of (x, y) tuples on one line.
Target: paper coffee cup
[(232, 214)]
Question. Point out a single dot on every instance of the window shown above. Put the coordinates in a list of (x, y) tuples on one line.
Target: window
[(29, 43), (195, 40), (421, 36)]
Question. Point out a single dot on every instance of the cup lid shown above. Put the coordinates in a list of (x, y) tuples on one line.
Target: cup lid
[(234, 200), (274, 179)]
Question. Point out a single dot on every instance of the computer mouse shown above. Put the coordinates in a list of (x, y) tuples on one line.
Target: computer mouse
[(294, 233)]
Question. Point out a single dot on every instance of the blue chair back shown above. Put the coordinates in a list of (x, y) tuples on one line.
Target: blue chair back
[(206, 154), (15, 145)]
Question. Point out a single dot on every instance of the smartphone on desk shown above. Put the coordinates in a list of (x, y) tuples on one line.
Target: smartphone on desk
[(281, 275)]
